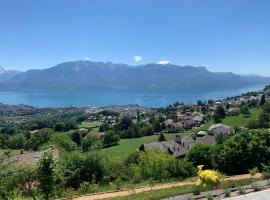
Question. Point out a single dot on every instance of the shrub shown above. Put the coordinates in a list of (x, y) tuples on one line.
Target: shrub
[(110, 139), (241, 190), (200, 154), (91, 144), (196, 190), (256, 187), (253, 171), (266, 171), (160, 165), (207, 178), (87, 187), (209, 197), (227, 192)]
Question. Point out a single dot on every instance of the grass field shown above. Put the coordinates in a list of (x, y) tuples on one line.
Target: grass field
[(87, 124), (127, 146), (241, 120)]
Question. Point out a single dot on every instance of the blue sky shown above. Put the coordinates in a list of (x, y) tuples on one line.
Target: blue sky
[(223, 35)]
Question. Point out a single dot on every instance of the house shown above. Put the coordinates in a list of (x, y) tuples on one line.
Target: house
[(97, 134), (30, 157), (171, 147), (207, 139), (233, 111), (216, 129)]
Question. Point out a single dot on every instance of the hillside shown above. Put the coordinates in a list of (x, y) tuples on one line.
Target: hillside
[(87, 74)]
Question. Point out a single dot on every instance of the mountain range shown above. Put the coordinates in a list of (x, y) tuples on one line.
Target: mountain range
[(88, 74), (6, 75)]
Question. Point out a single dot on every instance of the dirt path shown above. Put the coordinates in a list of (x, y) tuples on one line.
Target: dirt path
[(157, 187)]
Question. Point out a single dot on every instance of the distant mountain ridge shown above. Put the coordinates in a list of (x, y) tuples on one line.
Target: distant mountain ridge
[(6, 75), (88, 74)]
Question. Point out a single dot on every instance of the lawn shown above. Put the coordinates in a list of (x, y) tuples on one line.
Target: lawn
[(87, 124), (127, 146), (240, 120)]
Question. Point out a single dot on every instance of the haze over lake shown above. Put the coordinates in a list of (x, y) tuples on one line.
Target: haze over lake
[(97, 97)]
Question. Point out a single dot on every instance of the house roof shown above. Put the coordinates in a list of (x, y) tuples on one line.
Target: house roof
[(167, 146), (96, 134), (218, 127), (30, 157), (208, 139)]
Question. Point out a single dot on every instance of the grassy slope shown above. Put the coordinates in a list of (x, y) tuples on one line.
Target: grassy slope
[(241, 120), (127, 146)]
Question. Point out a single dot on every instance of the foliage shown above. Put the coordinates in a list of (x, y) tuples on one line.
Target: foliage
[(15, 179), (110, 139), (266, 171), (91, 144), (82, 167), (39, 138), (200, 154), (46, 175), (61, 141), (161, 137), (207, 178), (253, 171), (17, 141), (158, 165), (256, 187), (242, 151), (75, 136)]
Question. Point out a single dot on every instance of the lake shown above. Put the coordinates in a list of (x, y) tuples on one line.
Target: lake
[(99, 97)]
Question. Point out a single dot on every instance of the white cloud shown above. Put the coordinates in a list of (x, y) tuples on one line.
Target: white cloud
[(163, 62), (137, 58), (87, 58)]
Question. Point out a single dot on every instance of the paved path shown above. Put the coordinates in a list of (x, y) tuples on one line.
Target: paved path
[(149, 188), (262, 195)]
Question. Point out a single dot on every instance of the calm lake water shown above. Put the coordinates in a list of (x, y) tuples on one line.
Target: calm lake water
[(104, 97)]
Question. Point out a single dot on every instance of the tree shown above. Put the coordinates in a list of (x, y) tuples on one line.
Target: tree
[(110, 139), (17, 141), (245, 110), (263, 100), (91, 144), (219, 113), (40, 138), (76, 137), (242, 152), (82, 167), (59, 127), (46, 175), (200, 154), (211, 102), (161, 137)]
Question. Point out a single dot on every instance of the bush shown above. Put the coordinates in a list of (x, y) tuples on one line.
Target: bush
[(87, 187), (207, 178), (256, 187), (110, 139), (227, 192), (200, 154), (266, 171), (158, 165), (196, 190), (241, 190), (79, 167), (253, 171), (209, 197), (91, 144), (17, 141)]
